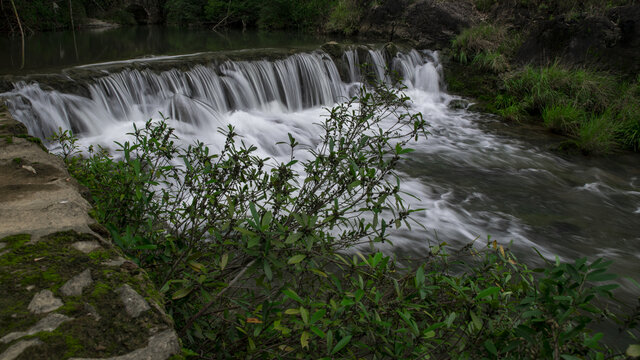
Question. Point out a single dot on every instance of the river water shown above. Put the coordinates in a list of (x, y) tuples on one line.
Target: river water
[(475, 176)]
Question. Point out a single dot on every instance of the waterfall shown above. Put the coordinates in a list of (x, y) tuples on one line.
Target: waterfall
[(204, 92)]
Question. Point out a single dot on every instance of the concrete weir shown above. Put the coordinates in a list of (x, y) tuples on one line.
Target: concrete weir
[(60, 299)]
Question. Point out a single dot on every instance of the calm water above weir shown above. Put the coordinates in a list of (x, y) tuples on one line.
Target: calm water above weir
[(53, 51), (475, 176)]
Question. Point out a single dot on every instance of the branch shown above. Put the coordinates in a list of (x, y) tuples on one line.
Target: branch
[(208, 305), (15, 11)]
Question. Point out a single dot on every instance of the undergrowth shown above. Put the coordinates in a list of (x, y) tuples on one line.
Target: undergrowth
[(260, 259)]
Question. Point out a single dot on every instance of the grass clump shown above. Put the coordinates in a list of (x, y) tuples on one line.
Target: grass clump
[(598, 112), (487, 46)]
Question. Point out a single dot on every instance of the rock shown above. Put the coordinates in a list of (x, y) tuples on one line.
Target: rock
[(117, 262), (2, 245), (160, 347), (44, 302), (29, 169), (16, 349), (49, 323), (458, 104), (133, 302), (91, 311), (76, 284), (86, 246), (428, 23), (334, 49)]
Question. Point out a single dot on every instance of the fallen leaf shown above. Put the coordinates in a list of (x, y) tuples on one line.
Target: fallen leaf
[(253, 321)]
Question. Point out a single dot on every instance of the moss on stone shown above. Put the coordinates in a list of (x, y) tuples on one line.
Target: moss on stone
[(48, 264), (34, 140)]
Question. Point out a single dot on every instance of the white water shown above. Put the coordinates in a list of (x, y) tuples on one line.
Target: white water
[(471, 181)]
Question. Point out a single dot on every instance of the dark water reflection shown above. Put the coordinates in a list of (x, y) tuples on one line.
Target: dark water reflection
[(52, 51)]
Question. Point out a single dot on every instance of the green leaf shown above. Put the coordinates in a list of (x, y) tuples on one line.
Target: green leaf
[(450, 319), (599, 275), (342, 343), (296, 259), (419, 277), (633, 350), (317, 315), (304, 313), (224, 260), (491, 348), (267, 270), (304, 339), (181, 293), (476, 320), (266, 220), (487, 292), (317, 331), (292, 295)]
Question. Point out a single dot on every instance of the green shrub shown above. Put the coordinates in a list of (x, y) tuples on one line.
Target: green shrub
[(294, 14), (345, 17), (184, 12), (267, 260)]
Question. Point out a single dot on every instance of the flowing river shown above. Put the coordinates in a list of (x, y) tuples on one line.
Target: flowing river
[(475, 176)]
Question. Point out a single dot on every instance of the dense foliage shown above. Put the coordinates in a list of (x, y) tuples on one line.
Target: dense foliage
[(260, 259), (38, 15), (308, 15)]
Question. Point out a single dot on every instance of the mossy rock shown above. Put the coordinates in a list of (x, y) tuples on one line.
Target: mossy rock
[(100, 326)]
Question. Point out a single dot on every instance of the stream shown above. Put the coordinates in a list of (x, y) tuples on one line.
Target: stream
[(474, 175)]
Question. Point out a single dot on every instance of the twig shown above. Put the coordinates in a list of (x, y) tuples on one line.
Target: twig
[(208, 305), (15, 11)]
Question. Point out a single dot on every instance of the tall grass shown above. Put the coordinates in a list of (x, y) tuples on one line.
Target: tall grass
[(594, 108), (487, 46)]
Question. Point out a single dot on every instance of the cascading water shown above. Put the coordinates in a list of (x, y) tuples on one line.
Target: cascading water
[(471, 179)]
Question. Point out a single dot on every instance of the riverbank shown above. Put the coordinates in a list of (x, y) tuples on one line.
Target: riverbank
[(573, 70), (65, 290)]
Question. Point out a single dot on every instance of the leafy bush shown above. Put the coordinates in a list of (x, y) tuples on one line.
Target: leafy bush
[(184, 12), (294, 14), (265, 260)]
